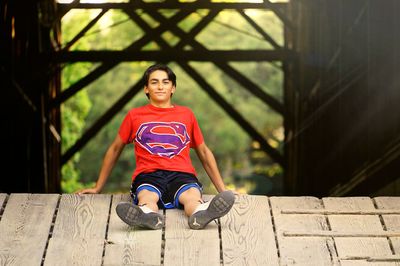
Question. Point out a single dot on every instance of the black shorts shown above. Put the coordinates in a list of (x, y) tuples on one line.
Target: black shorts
[(169, 185)]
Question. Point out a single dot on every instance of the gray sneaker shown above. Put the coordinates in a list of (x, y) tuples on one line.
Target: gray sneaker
[(216, 208), (134, 215)]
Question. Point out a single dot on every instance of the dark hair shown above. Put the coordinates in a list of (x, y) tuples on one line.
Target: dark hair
[(151, 69)]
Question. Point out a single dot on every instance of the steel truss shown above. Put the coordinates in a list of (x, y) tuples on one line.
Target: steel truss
[(182, 57)]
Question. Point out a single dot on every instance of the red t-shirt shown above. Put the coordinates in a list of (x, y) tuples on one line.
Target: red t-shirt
[(162, 138)]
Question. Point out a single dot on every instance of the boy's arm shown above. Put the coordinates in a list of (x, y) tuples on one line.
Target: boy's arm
[(210, 165), (109, 160)]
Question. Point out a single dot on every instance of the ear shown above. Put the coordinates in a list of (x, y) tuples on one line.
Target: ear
[(145, 89), (173, 89)]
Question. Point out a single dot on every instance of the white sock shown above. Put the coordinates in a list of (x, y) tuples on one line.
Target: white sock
[(202, 207), (146, 209)]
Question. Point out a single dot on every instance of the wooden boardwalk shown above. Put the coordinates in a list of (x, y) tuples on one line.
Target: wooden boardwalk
[(68, 229)]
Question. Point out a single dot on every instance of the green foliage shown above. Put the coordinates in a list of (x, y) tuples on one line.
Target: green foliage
[(243, 165)]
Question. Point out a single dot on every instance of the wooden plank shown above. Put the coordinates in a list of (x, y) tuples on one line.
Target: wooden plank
[(77, 251), (356, 246), (391, 222), (127, 245), (79, 230), (184, 246), (301, 251), (247, 233), (25, 227)]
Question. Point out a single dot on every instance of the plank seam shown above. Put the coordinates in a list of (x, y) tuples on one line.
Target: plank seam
[(221, 250), (333, 253), (334, 257), (163, 239), (274, 228), (106, 233), (384, 227), (50, 235), (3, 206)]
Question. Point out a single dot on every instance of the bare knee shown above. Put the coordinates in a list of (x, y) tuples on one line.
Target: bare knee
[(190, 195), (148, 198), (190, 199)]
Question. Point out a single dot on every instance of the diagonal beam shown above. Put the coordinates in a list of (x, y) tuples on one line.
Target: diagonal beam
[(240, 120), (259, 30), (240, 78), (198, 28), (84, 30)]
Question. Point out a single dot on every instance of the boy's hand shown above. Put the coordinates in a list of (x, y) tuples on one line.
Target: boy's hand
[(87, 191)]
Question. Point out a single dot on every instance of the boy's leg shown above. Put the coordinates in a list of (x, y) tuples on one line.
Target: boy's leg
[(149, 199), (190, 199), (200, 214), (145, 213)]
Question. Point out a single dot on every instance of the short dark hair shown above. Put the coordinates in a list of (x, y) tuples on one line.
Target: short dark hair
[(151, 69)]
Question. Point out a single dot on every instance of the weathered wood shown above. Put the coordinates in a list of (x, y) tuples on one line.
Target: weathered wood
[(129, 245), (184, 246), (301, 251), (314, 237), (247, 233), (24, 228), (79, 230), (391, 222), (356, 224)]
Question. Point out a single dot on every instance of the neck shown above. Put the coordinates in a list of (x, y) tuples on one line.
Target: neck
[(162, 105)]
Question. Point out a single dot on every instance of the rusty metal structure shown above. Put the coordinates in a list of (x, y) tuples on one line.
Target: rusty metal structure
[(341, 89)]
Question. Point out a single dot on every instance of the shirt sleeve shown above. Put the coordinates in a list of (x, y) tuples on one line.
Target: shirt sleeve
[(197, 136), (125, 130)]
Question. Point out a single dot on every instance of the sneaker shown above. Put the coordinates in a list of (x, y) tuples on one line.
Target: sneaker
[(216, 208), (134, 215)]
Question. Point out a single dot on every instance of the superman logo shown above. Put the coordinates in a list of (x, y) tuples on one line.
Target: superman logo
[(166, 139)]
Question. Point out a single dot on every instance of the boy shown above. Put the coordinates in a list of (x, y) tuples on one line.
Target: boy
[(163, 134)]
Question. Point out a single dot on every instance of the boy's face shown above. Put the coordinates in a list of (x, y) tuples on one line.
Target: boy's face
[(159, 87)]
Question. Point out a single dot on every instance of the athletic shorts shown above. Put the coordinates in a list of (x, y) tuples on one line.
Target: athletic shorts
[(169, 185)]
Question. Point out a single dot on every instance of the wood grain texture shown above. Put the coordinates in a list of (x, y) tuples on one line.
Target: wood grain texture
[(79, 230), (24, 228), (184, 246), (247, 233), (353, 245), (77, 251), (130, 245), (301, 251), (391, 222), (82, 216)]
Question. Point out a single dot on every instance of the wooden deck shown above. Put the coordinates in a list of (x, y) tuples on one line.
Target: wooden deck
[(52, 229)]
